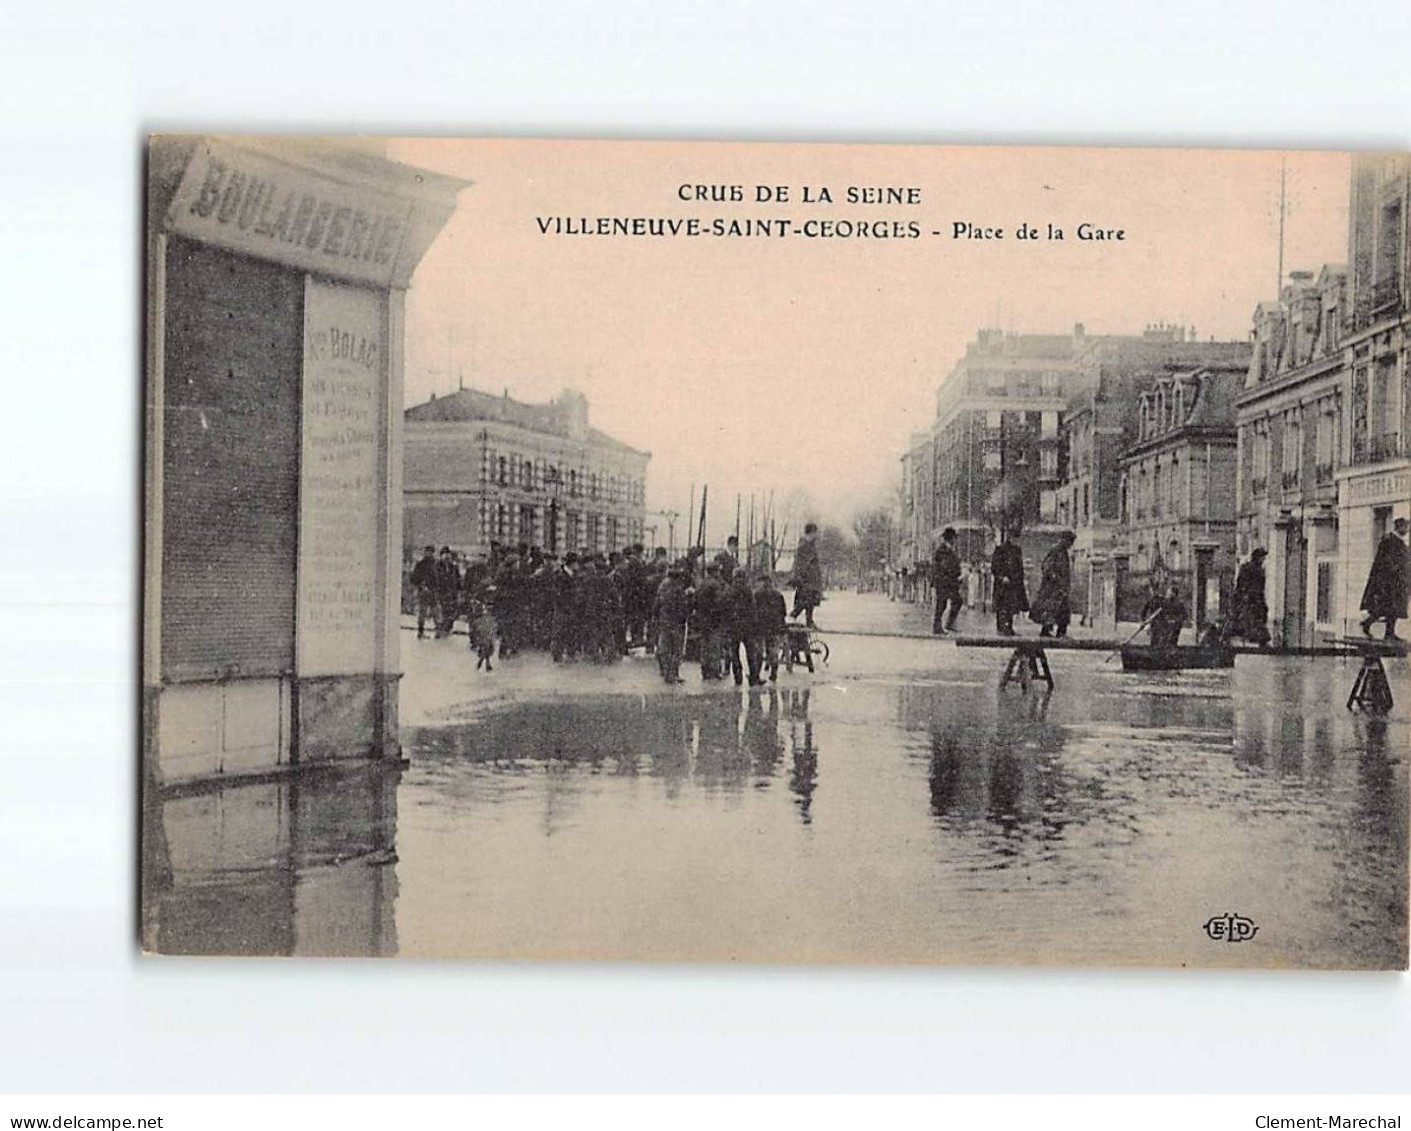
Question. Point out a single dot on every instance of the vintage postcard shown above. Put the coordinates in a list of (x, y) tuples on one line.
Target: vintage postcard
[(784, 553)]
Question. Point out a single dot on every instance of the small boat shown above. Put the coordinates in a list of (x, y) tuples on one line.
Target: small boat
[(1175, 657)]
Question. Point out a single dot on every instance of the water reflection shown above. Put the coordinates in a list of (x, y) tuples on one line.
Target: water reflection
[(917, 821), (299, 866)]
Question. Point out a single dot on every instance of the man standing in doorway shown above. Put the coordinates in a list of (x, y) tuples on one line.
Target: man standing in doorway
[(1384, 596), (945, 577)]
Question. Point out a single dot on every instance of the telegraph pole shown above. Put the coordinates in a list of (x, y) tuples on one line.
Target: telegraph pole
[(1283, 212)]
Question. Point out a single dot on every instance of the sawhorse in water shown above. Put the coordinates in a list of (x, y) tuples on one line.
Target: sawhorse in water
[(1371, 690), (1028, 658), (1025, 666)]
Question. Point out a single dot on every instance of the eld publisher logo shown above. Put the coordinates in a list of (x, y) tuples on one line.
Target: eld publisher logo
[(1230, 928)]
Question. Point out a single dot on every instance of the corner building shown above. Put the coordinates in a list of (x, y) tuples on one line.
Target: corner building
[(482, 468), (277, 272), (1291, 418), (1374, 486)]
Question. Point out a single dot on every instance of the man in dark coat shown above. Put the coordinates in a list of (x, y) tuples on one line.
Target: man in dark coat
[(622, 596), (1052, 604), (945, 577), (729, 558), (709, 621), (651, 584), (424, 582), (1250, 613), (739, 626), (1007, 570), (770, 625), (509, 604), (1167, 613), (671, 611), (599, 604), (563, 630), (1384, 595), (448, 592), (807, 578), (639, 603)]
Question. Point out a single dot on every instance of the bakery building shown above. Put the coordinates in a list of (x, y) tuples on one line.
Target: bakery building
[(276, 276)]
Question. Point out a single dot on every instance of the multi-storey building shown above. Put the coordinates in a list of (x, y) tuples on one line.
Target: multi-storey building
[(914, 543), (482, 469), (1374, 485), (995, 443), (1177, 491), (1102, 420), (1290, 420), (1030, 427)]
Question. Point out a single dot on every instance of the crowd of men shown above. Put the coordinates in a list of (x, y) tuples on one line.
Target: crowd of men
[(597, 607)]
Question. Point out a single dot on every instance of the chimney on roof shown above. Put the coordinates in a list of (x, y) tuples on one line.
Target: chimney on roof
[(573, 412), (433, 394)]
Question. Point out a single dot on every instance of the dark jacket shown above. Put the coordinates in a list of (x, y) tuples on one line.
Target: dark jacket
[(1167, 615), (1052, 600), (771, 612), (1007, 569), (1250, 609), (1384, 595), (945, 569), (424, 573), (808, 573), (711, 605), (447, 578), (739, 606), (673, 602)]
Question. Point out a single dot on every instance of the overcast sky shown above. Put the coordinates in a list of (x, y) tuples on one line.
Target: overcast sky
[(766, 363)]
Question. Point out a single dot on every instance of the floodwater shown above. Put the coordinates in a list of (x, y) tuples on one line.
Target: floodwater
[(892, 808)]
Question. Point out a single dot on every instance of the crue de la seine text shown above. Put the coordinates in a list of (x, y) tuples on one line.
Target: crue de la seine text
[(862, 223)]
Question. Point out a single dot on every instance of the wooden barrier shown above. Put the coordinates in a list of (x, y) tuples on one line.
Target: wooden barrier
[(1371, 690)]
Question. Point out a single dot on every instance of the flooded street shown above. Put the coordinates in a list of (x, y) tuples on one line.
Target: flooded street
[(893, 806)]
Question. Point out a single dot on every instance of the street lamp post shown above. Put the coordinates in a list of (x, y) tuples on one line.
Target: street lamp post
[(671, 517), (554, 482)]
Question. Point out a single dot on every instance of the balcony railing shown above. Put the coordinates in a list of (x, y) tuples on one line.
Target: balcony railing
[(1259, 485), (1375, 302), (1323, 474), (1385, 293), (1388, 445)]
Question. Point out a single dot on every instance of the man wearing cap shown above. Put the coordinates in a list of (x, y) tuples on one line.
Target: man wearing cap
[(1250, 615), (1384, 595)]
